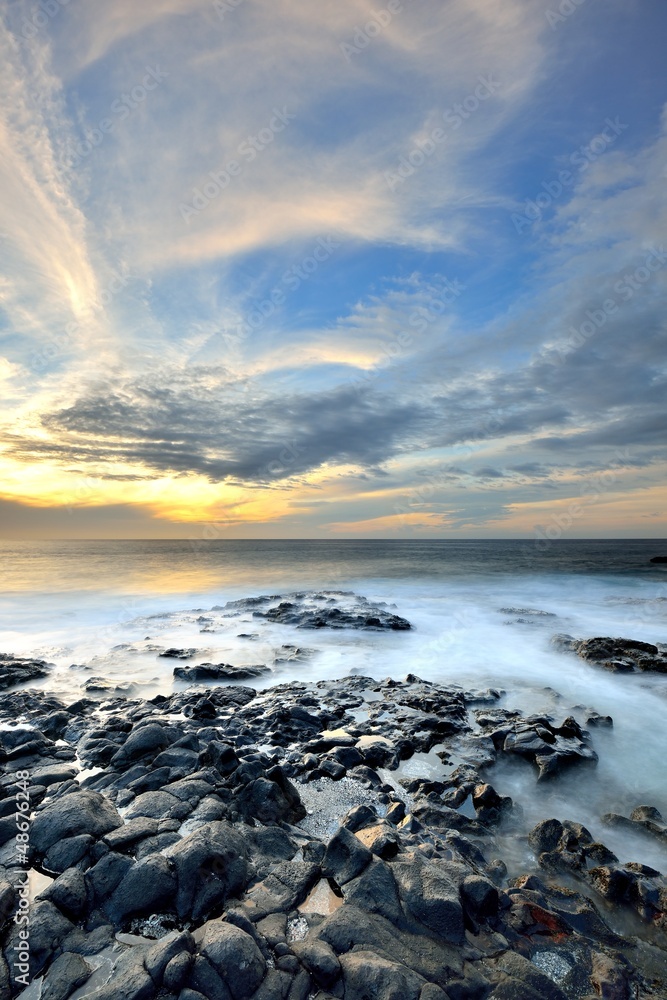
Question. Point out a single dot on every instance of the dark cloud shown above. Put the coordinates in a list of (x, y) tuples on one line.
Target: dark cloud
[(169, 428)]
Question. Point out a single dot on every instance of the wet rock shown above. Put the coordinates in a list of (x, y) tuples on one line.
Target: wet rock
[(68, 852), (550, 749), (312, 611), (220, 672), (617, 655), (521, 980), (643, 819), (635, 885), (566, 846), (66, 974), (17, 670), (80, 813), (143, 742), (124, 837), (221, 756), (350, 928), (490, 807), (609, 978), (179, 654)]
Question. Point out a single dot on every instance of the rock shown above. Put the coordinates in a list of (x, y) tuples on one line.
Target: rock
[(271, 799), (609, 978), (658, 559), (48, 929), (66, 974), (345, 857), (618, 655), (480, 897), (299, 611), (429, 890), (156, 805), (149, 886), (533, 982), (143, 741), (68, 852), (221, 756), (320, 960), (551, 749), (127, 835), (382, 839), (78, 813), (229, 959), (366, 975), (68, 892), (210, 866), (220, 672), (179, 654), (490, 807), (644, 819), (17, 670), (285, 888)]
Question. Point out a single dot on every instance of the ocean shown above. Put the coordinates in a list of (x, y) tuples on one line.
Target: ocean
[(483, 614)]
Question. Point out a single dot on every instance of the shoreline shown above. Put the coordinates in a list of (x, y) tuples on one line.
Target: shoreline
[(279, 832)]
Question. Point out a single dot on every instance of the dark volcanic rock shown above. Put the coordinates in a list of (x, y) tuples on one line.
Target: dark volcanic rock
[(179, 654), (17, 670), (551, 749), (617, 655), (271, 799), (220, 672), (229, 962), (384, 889), (72, 815), (327, 609)]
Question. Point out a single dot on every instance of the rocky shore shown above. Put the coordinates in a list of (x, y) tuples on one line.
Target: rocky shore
[(229, 844)]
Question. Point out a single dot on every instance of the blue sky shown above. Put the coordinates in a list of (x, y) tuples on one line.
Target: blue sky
[(274, 269)]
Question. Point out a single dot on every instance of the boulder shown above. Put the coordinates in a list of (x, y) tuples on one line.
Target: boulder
[(229, 960), (76, 814), (210, 866)]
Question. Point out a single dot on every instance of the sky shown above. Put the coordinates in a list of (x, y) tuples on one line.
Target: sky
[(284, 269)]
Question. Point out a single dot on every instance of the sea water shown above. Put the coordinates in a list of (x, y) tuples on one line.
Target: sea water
[(483, 614)]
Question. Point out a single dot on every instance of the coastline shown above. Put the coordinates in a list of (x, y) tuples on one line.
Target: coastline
[(298, 841)]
